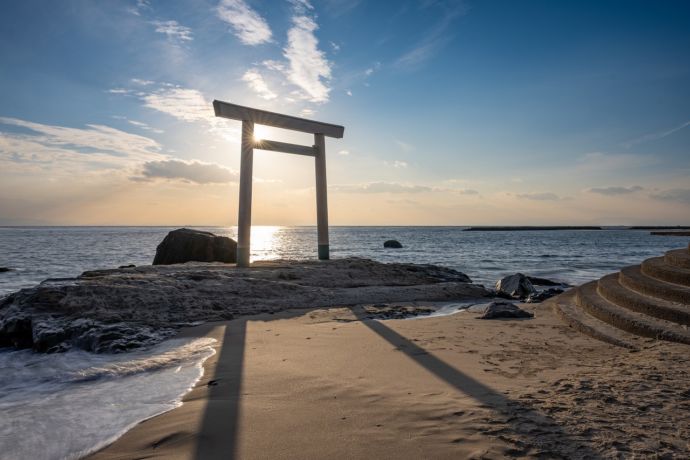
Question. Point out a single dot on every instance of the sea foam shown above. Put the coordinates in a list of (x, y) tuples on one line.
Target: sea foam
[(66, 405)]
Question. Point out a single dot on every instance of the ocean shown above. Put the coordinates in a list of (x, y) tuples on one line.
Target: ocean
[(66, 405), (571, 256)]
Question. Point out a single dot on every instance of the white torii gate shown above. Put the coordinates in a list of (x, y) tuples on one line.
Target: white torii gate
[(249, 117)]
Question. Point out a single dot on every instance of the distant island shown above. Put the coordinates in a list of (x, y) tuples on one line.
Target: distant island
[(527, 228), (660, 227), (519, 228)]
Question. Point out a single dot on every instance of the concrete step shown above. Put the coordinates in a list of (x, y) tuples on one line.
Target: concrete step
[(633, 278), (587, 298), (656, 267), (678, 258), (610, 289), (564, 306)]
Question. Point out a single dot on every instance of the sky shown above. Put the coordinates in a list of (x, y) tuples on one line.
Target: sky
[(455, 112)]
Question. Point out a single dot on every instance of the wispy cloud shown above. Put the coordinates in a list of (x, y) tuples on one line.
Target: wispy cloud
[(406, 147), (436, 37), (380, 187), (679, 195), (600, 161), (308, 68), (141, 5), (340, 7), (186, 171), (182, 103), (142, 82), (655, 136), (95, 146), (175, 32), (185, 104), (396, 188), (248, 25), (539, 196), (145, 126), (256, 83), (344, 152), (615, 190)]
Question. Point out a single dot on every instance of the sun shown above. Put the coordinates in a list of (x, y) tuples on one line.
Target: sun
[(260, 133)]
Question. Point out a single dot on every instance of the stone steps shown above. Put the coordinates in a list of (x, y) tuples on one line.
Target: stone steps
[(659, 269), (678, 258), (565, 308), (648, 300), (590, 301), (610, 289), (633, 278)]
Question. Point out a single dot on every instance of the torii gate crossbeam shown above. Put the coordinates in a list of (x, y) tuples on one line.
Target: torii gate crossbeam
[(249, 117)]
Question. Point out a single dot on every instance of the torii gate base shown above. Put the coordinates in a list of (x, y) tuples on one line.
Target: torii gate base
[(248, 117)]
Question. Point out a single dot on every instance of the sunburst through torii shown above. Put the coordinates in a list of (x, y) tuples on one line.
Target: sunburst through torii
[(249, 117)]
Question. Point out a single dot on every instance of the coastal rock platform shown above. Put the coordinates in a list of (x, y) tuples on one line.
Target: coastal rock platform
[(119, 309)]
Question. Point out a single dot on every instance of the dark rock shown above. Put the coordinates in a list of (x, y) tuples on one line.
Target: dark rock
[(127, 266), (394, 244), (543, 281), (516, 286), (543, 295), (185, 245), (503, 309), (15, 331), (5, 269)]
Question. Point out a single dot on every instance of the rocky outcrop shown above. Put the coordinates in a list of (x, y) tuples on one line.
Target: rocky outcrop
[(503, 309), (115, 310), (392, 244), (186, 245), (515, 286)]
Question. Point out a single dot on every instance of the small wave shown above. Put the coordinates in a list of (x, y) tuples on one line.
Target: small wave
[(170, 358), (46, 400)]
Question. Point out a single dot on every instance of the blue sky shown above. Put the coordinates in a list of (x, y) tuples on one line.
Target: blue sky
[(455, 112)]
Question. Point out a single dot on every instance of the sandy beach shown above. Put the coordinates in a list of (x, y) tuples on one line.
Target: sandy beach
[(321, 383)]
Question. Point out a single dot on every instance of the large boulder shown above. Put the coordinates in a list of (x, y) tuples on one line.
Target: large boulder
[(503, 309), (393, 244), (186, 245), (516, 286)]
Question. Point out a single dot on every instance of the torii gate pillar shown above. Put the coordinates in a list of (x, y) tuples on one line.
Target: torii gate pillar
[(249, 116)]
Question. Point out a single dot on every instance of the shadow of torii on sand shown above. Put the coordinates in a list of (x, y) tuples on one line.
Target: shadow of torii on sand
[(220, 431)]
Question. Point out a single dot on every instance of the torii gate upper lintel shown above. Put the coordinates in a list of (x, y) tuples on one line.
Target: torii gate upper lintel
[(249, 117)]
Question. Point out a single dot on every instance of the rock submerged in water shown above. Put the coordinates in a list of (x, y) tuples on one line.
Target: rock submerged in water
[(5, 269), (503, 309), (186, 245), (515, 286), (393, 244)]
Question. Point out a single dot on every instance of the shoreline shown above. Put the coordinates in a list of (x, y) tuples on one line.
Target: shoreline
[(321, 383)]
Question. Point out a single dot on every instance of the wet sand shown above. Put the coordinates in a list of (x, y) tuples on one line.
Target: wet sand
[(323, 384)]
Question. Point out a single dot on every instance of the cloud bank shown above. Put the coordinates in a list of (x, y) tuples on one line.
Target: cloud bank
[(187, 171)]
